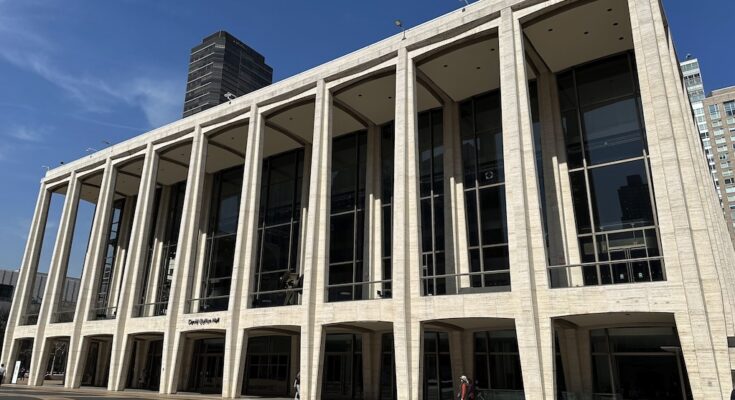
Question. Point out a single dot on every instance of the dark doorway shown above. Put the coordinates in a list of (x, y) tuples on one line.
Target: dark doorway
[(207, 365), (268, 364), (25, 351), (342, 379), (437, 367), (387, 368), (639, 363), (97, 364), (144, 371)]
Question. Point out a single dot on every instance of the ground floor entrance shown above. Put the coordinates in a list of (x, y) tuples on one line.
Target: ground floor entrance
[(203, 370), (144, 371), (96, 370), (269, 365), (55, 359), (639, 358)]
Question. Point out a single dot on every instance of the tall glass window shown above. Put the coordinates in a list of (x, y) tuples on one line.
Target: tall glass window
[(387, 142), (431, 189), (438, 383), (387, 368), (497, 362), (170, 245), (221, 239), (484, 183), (101, 310), (267, 366), (346, 231), (638, 363), (150, 247), (278, 229), (609, 172), (342, 378)]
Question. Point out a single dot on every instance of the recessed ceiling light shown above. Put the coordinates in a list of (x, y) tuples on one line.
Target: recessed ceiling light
[(615, 24), (477, 67), (290, 118), (493, 49), (609, 9), (359, 95), (446, 65), (620, 38), (390, 97), (586, 32), (551, 29)]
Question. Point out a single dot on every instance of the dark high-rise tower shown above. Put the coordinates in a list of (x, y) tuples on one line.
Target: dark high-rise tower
[(222, 64)]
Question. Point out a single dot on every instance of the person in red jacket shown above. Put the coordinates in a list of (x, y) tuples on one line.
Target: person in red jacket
[(464, 388)]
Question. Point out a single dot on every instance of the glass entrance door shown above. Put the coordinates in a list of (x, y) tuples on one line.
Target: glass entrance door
[(342, 376), (267, 366), (207, 366), (437, 367)]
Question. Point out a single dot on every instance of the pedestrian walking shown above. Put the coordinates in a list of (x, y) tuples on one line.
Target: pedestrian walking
[(464, 388), (2, 373), (297, 386)]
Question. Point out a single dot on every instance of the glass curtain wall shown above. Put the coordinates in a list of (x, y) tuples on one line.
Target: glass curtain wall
[(342, 378), (437, 383), (638, 363), (346, 232), (388, 390), (104, 286), (609, 172), (170, 245), (278, 230), (431, 189), (225, 212), (267, 366), (484, 184), (151, 245), (387, 142), (497, 363)]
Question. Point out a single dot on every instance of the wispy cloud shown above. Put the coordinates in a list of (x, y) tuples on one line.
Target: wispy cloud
[(27, 134), (155, 94)]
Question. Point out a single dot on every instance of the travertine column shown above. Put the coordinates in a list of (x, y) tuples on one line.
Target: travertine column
[(406, 231), (525, 234), (245, 246), (373, 214), (150, 292), (315, 244), (25, 278), (90, 275), (689, 260), (132, 276), (55, 280), (122, 248), (455, 221), (185, 257)]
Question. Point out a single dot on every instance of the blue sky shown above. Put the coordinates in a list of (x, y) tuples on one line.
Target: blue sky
[(76, 73)]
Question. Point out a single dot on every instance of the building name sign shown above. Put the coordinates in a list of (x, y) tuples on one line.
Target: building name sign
[(203, 321)]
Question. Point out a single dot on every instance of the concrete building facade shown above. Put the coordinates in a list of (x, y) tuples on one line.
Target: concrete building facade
[(513, 192)]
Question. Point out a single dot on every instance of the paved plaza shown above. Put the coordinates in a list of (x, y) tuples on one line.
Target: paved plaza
[(56, 392)]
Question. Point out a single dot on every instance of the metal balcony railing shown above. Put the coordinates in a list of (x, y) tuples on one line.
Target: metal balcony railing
[(634, 270), (150, 309), (465, 283), (207, 304)]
